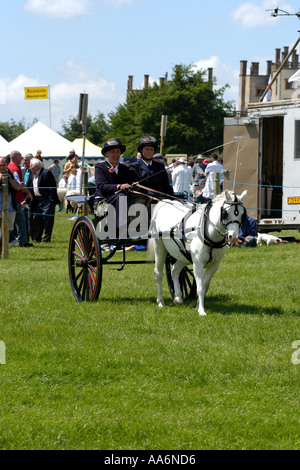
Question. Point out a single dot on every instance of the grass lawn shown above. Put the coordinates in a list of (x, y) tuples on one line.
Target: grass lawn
[(122, 374)]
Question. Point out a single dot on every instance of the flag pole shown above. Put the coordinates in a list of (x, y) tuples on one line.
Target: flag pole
[(49, 105), (279, 70)]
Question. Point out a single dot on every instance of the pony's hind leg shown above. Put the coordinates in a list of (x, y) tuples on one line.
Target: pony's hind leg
[(160, 258), (176, 270)]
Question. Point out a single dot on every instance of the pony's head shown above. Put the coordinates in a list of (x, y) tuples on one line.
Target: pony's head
[(233, 213)]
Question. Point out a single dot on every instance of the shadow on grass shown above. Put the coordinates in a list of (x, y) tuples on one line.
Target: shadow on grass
[(220, 304)]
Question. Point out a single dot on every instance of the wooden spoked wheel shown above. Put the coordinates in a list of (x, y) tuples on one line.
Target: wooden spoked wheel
[(85, 261), (186, 279)]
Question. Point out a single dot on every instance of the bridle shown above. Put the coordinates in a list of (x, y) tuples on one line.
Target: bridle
[(224, 214)]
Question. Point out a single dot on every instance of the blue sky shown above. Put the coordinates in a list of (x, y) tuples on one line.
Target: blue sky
[(92, 46)]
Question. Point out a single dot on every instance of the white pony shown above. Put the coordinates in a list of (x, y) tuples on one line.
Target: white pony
[(198, 235)]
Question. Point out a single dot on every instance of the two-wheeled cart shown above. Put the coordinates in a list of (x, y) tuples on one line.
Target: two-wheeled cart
[(87, 257)]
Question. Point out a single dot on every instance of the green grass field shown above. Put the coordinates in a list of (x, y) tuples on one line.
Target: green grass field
[(122, 374)]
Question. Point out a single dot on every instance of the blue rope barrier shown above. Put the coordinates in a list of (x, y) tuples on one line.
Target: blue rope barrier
[(227, 182)]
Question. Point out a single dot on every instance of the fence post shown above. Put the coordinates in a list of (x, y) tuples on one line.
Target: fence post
[(5, 216), (217, 184)]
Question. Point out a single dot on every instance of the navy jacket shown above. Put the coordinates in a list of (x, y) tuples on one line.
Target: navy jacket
[(46, 185), (107, 181), (153, 176), (249, 227)]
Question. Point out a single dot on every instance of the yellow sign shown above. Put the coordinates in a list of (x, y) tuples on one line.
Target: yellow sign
[(294, 200), (36, 93)]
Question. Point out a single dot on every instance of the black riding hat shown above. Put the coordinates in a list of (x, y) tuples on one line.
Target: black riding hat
[(113, 144), (147, 140)]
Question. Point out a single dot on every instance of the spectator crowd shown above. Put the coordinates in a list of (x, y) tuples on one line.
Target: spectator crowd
[(34, 191)]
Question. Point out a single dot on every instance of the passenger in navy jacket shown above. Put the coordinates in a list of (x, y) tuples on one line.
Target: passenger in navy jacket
[(150, 173)]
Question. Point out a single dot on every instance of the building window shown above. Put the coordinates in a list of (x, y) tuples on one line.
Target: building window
[(259, 92), (297, 139), (288, 86)]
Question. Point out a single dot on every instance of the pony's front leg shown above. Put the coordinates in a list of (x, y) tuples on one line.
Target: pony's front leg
[(160, 258), (176, 270), (210, 270), (198, 274)]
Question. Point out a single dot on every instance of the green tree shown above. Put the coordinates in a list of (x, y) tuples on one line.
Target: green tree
[(12, 129), (195, 114), (97, 129)]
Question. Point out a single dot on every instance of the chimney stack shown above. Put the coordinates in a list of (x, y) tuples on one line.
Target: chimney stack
[(129, 83), (243, 68), (284, 55), (277, 58), (254, 68)]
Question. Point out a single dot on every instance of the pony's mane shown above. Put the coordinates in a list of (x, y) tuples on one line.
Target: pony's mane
[(221, 196)]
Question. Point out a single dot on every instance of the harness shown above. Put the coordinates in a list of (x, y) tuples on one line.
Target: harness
[(203, 228)]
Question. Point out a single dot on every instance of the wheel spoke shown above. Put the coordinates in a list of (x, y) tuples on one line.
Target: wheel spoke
[(85, 261), (186, 279)]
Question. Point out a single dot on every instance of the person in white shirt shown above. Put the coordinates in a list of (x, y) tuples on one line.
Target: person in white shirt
[(181, 177), (213, 167), (74, 180)]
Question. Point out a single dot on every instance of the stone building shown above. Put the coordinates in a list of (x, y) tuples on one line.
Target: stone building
[(253, 85), (162, 80)]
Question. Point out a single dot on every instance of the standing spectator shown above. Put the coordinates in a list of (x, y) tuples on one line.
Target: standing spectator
[(158, 157), (62, 191), (210, 170), (42, 208), (26, 173), (205, 163), (39, 155), (55, 169), (74, 180), (72, 162), (13, 186), (198, 176), (221, 175), (181, 177), (26, 167), (20, 220)]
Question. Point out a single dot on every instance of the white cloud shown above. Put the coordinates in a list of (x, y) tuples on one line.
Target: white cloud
[(83, 78), (76, 78), (2, 92), (223, 74), (58, 8), (250, 15)]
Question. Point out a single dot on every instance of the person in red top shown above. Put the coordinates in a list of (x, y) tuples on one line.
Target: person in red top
[(20, 221)]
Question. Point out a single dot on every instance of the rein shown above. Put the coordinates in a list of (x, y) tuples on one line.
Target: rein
[(165, 195)]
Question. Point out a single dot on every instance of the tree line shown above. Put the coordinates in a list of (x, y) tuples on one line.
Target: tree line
[(194, 108)]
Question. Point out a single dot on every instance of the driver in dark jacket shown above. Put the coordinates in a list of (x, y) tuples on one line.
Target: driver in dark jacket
[(113, 179)]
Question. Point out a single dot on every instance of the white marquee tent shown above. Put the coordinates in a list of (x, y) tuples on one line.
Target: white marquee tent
[(91, 150), (41, 137), (3, 147)]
